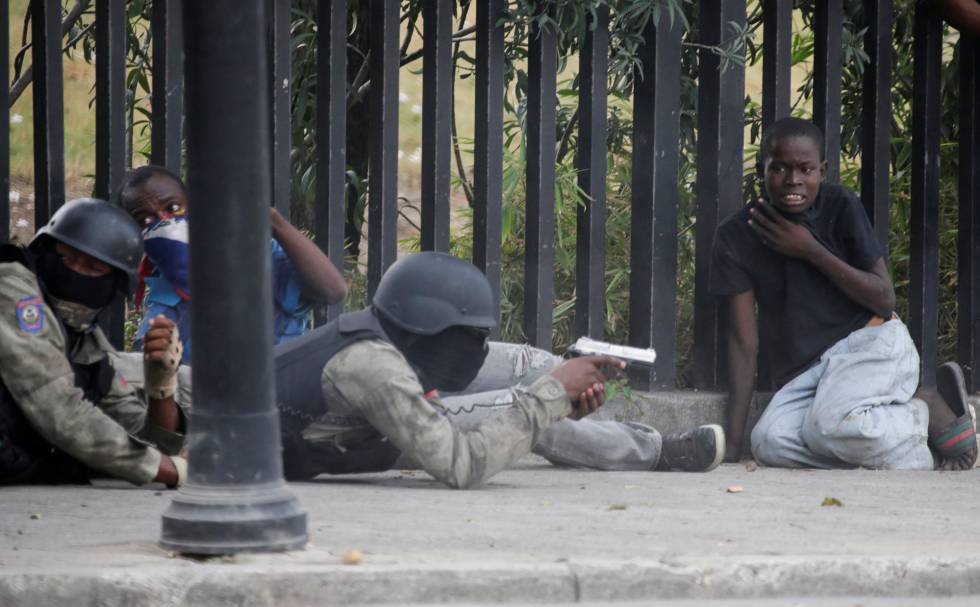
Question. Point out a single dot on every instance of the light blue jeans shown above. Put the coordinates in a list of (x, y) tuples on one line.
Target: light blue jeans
[(603, 445), (853, 408)]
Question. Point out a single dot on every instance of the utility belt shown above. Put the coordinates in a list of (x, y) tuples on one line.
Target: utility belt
[(303, 460)]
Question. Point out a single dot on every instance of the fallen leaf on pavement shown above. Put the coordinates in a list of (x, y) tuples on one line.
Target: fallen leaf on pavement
[(735, 489), (36, 516), (617, 506), (352, 557), (831, 501)]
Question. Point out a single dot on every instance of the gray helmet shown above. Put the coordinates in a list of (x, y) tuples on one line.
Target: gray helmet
[(425, 293), (99, 229)]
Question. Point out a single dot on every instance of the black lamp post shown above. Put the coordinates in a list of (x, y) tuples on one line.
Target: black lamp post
[(235, 499)]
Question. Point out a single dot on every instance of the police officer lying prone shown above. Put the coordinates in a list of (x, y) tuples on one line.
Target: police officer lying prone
[(65, 414), (363, 392), (412, 381)]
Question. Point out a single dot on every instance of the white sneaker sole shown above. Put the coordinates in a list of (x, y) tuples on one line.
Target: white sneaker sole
[(719, 446)]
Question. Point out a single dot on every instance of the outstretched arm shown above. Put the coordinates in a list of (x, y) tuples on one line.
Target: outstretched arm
[(322, 281), (743, 350), (870, 288)]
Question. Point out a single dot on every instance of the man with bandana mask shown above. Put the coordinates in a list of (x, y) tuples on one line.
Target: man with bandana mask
[(302, 275), (363, 390), (65, 414)]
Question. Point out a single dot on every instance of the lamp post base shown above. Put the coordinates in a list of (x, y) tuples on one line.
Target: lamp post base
[(214, 520)]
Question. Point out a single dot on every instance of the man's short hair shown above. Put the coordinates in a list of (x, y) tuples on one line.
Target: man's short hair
[(789, 127), (126, 193)]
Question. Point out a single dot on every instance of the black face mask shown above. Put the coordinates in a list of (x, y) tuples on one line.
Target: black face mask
[(447, 361), (64, 283), (450, 360)]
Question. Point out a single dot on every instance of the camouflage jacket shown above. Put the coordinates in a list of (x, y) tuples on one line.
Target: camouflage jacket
[(111, 435), (372, 389)]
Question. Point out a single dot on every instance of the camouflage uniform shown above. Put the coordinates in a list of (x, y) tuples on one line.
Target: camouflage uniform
[(504, 386), (111, 436), (373, 391)]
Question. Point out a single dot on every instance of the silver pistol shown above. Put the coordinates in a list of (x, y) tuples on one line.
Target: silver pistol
[(585, 346)]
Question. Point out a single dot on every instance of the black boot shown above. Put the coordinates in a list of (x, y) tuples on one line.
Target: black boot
[(697, 450)]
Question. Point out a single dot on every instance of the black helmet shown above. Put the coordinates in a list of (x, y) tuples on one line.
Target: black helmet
[(99, 229), (425, 293)]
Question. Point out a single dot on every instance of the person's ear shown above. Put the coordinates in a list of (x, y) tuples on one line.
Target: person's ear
[(823, 169)]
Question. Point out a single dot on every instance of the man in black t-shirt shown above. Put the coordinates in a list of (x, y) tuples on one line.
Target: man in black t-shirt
[(846, 367)]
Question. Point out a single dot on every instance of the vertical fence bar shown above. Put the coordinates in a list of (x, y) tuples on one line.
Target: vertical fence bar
[(383, 174), (876, 114), (331, 125), (282, 77), (5, 129), (235, 499), (110, 125), (827, 80), (653, 247), (488, 143), (721, 123), (969, 214), (167, 97), (437, 112), (110, 95), (924, 249), (777, 36), (539, 252), (49, 119), (590, 161)]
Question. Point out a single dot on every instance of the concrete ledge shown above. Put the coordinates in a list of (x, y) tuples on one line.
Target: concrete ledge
[(267, 581), (680, 410)]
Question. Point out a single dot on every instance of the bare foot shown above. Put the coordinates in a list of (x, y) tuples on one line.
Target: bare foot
[(941, 417)]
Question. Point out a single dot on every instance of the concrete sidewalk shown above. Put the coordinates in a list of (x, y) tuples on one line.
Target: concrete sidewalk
[(535, 533)]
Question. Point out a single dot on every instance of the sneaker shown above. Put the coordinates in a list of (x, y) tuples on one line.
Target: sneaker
[(697, 450)]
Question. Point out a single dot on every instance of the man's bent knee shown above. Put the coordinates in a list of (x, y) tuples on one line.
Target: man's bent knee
[(771, 447)]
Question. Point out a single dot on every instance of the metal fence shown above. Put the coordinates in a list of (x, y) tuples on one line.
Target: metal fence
[(656, 102)]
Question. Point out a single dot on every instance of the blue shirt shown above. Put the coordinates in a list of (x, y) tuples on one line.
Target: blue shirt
[(291, 315)]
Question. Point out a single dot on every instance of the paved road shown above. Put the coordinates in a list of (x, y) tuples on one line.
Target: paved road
[(534, 533)]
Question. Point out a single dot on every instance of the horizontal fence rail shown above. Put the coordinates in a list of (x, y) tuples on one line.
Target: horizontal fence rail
[(654, 206)]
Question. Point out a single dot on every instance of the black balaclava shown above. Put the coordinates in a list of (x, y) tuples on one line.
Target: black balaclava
[(77, 299), (447, 361)]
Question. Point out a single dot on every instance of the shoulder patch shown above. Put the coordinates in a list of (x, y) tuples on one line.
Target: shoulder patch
[(30, 314)]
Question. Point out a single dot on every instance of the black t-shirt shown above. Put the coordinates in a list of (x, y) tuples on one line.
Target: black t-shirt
[(801, 312)]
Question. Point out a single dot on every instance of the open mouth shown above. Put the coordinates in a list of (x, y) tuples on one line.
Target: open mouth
[(792, 199)]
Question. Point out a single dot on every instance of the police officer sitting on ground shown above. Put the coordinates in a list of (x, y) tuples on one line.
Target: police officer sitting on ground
[(65, 414), (362, 390)]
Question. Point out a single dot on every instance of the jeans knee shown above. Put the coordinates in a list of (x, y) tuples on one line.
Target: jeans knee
[(818, 430), (770, 444)]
